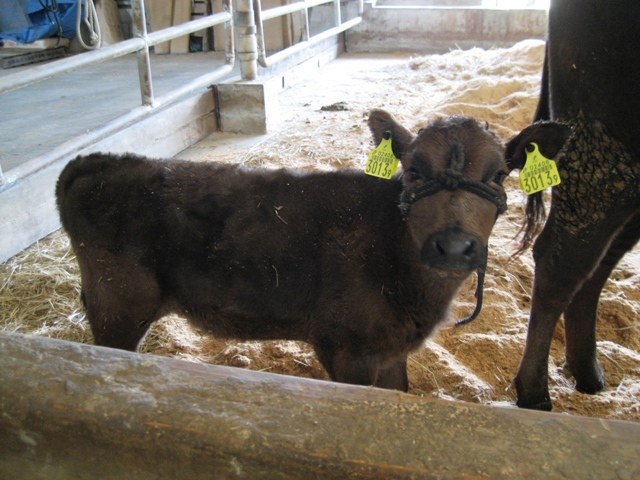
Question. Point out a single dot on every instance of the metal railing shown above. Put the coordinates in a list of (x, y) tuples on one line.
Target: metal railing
[(250, 18), (139, 44), (300, 6), (247, 22)]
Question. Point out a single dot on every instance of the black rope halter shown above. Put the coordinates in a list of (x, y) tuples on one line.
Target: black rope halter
[(451, 179)]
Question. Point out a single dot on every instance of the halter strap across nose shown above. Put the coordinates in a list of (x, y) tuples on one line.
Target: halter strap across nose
[(451, 180)]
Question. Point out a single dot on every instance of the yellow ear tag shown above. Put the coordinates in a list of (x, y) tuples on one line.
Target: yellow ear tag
[(538, 172), (382, 162)]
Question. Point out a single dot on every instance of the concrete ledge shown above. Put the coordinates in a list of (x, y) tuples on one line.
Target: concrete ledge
[(250, 107), (247, 107), (71, 411), (428, 30)]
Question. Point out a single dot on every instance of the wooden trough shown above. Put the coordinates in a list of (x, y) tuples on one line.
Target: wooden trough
[(71, 411)]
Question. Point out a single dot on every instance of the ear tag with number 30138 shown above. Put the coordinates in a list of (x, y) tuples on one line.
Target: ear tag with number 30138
[(382, 162), (538, 172)]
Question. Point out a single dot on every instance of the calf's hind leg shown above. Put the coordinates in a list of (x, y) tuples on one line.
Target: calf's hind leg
[(121, 304), (581, 315)]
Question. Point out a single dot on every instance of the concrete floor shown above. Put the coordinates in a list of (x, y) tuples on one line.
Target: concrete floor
[(42, 116), (322, 87)]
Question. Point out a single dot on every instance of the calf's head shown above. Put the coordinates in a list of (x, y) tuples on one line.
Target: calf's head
[(452, 175)]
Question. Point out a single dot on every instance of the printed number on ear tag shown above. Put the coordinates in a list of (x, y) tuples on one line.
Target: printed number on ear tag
[(538, 172), (382, 162)]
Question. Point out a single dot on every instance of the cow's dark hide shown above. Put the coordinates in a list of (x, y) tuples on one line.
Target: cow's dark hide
[(591, 82)]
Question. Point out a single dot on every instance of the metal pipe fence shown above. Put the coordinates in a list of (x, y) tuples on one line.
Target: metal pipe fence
[(140, 45), (143, 39), (308, 40)]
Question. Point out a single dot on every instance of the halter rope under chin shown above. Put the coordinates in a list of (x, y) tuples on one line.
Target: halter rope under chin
[(451, 180)]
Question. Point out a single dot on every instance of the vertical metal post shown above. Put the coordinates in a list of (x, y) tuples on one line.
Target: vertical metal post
[(247, 48), (337, 14), (306, 33), (229, 32), (144, 62)]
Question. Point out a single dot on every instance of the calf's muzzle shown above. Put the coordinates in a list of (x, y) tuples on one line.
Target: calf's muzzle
[(453, 249)]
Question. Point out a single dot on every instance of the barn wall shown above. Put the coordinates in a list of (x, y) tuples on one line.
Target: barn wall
[(427, 30)]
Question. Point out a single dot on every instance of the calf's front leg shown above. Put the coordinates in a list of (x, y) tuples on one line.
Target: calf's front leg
[(356, 368), (394, 376)]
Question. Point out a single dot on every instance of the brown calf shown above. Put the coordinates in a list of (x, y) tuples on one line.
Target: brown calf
[(360, 267)]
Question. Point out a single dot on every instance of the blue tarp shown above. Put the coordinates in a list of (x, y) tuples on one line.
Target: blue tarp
[(26, 21)]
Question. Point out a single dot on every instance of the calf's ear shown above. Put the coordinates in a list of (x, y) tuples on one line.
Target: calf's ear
[(381, 122), (550, 137)]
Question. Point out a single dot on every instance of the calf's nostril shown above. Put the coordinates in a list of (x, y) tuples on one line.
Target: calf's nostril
[(470, 249)]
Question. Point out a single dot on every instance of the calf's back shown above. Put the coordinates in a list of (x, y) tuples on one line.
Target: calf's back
[(227, 241)]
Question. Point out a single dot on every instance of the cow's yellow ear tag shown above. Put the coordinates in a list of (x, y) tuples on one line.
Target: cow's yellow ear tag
[(538, 172), (382, 162)]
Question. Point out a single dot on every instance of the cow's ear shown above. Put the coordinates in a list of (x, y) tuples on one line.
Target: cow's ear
[(381, 122), (550, 137)]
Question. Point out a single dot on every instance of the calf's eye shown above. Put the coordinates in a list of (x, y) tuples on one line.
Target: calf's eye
[(499, 177), (411, 175)]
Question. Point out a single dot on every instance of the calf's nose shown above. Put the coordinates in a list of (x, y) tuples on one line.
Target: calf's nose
[(453, 250)]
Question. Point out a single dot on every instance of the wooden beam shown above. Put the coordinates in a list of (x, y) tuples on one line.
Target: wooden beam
[(181, 14), (76, 411), (160, 16)]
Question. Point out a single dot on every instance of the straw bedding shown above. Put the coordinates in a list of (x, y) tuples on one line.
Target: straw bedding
[(39, 289)]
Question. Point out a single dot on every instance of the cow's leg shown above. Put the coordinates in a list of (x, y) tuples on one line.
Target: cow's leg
[(562, 264), (121, 303), (394, 376), (581, 315)]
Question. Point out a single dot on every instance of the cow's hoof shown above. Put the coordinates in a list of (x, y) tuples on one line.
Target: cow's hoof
[(532, 398), (590, 381), (544, 405), (591, 386)]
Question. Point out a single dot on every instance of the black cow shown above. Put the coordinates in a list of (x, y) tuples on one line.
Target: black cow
[(360, 267), (591, 82)]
